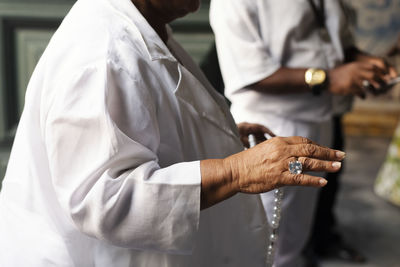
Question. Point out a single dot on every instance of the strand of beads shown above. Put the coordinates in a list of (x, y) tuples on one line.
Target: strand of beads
[(276, 217)]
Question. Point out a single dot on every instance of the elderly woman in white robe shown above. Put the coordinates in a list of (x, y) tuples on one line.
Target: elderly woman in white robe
[(125, 155)]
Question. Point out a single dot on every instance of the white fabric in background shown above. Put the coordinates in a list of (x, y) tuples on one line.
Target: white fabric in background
[(256, 37)]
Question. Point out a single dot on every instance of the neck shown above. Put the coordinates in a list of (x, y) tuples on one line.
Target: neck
[(153, 17)]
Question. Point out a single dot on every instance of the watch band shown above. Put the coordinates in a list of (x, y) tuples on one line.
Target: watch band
[(317, 89)]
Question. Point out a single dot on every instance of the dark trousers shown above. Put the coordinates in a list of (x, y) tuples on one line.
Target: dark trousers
[(323, 231)]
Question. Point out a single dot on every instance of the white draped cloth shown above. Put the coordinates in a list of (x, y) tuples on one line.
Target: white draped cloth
[(105, 167)]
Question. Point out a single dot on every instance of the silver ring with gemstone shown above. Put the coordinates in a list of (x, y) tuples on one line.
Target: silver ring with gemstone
[(295, 167), (366, 84)]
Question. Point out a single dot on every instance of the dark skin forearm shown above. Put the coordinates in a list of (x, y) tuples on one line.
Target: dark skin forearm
[(291, 80), (345, 79), (283, 81), (217, 184)]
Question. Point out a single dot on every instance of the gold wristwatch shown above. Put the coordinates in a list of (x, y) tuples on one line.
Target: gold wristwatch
[(316, 80)]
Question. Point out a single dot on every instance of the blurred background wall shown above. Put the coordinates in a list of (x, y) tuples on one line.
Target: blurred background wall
[(26, 26)]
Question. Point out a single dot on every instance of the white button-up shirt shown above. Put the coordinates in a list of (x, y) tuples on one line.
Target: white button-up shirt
[(105, 169), (256, 37)]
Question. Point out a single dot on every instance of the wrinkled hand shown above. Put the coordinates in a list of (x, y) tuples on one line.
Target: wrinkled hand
[(259, 131), (265, 166)]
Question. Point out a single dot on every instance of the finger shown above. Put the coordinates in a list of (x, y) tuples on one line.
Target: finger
[(375, 83), (260, 129), (375, 76), (265, 130), (242, 127), (317, 152), (245, 128), (245, 141), (302, 180), (366, 66), (256, 129), (316, 165), (375, 64), (260, 137), (295, 140), (380, 64), (380, 74), (259, 132), (392, 72)]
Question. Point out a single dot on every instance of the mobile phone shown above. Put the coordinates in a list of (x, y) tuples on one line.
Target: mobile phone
[(386, 86), (393, 81)]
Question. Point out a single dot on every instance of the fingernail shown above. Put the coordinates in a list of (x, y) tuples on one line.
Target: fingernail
[(322, 182), (336, 165), (340, 154)]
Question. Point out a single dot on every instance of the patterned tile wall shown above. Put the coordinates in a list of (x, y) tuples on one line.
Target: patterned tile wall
[(377, 23)]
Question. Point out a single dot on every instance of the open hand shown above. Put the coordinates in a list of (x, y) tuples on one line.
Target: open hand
[(265, 166)]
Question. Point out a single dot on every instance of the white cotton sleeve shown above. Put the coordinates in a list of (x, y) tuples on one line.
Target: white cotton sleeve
[(243, 52), (102, 136)]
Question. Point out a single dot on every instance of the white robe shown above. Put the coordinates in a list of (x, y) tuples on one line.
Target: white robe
[(105, 167)]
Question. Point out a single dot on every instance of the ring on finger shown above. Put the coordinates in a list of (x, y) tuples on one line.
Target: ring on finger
[(366, 84), (295, 167)]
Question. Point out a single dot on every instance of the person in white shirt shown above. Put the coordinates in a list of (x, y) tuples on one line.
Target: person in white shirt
[(125, 155), (281, 62)]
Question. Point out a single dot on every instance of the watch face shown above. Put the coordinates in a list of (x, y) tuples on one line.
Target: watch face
[(319, 76), (315, 76)]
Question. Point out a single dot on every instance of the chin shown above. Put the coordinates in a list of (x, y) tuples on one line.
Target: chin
[(195, 5), (192, 7)]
